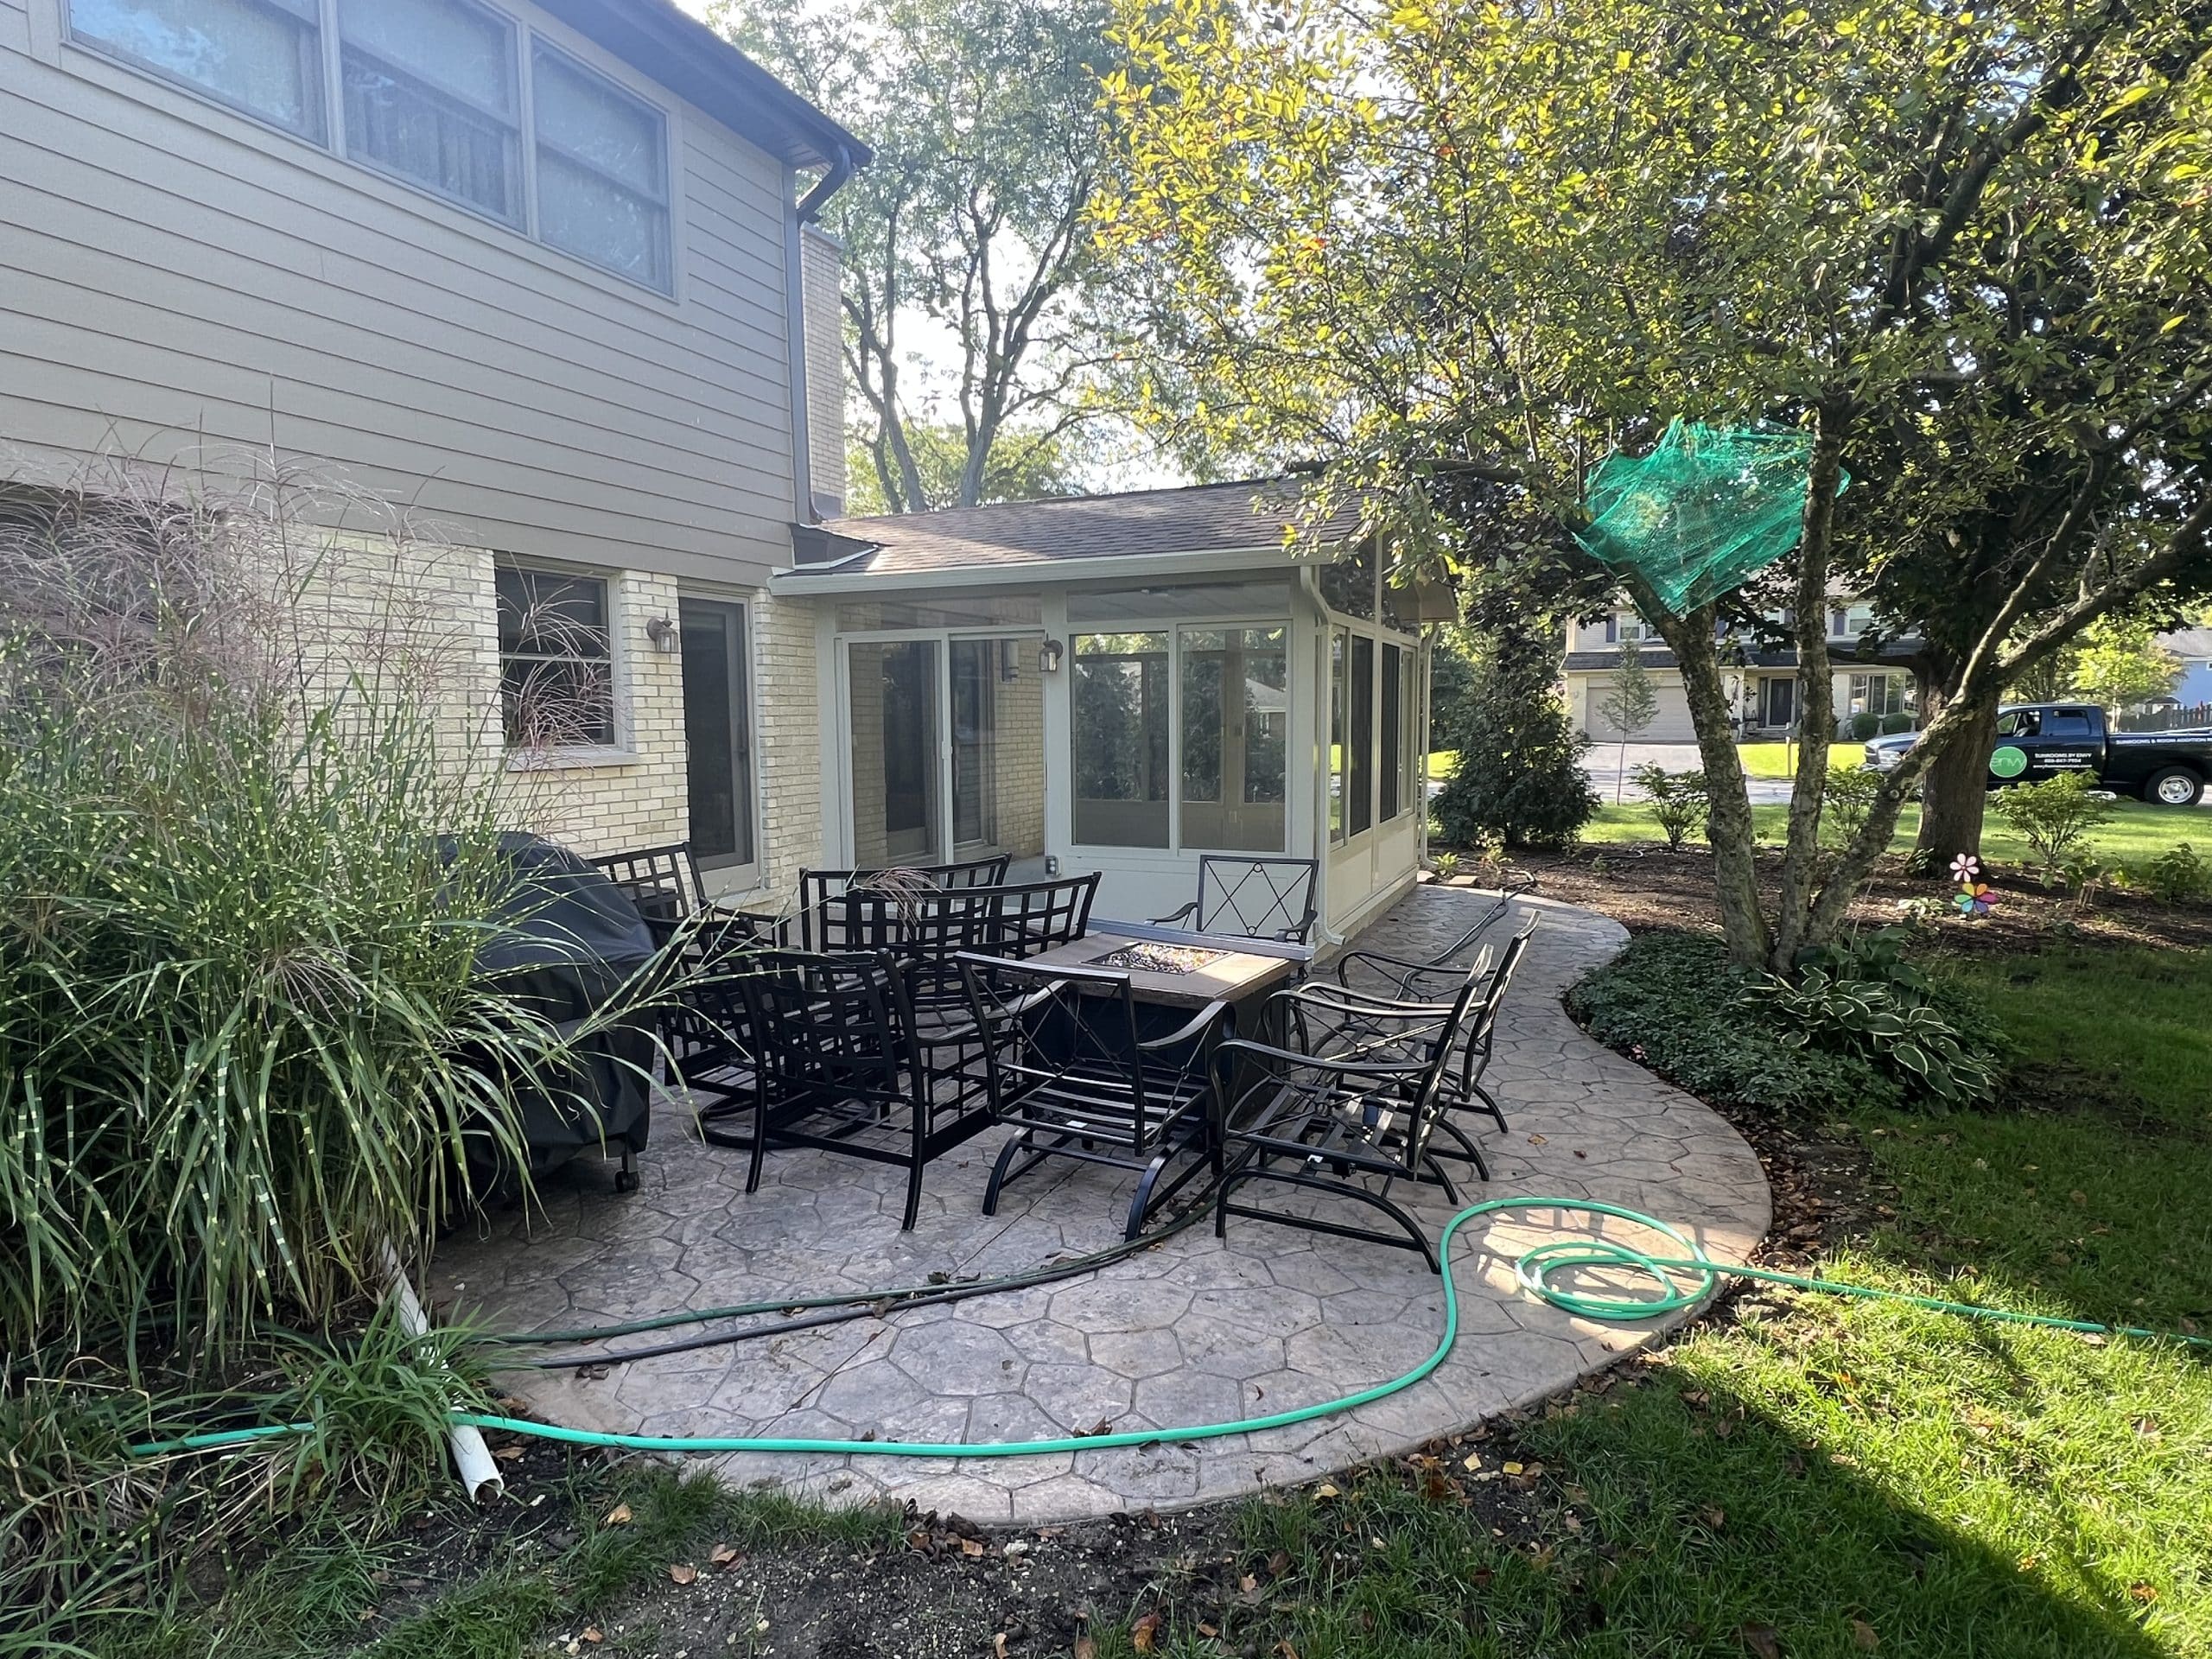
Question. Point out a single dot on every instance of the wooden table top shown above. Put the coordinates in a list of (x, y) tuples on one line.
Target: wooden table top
[(1232, 976)]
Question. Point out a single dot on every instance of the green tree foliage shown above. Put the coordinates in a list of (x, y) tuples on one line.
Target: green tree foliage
[(1461, 254), (967, 229), (2121, 663), (1451, 683), (1630, 705), (1518, 776)]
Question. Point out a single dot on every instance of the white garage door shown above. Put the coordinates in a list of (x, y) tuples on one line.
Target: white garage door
[(1672, 724)]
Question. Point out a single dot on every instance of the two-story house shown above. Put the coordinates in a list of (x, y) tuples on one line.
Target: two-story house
[(544, 271), (1761, 683)]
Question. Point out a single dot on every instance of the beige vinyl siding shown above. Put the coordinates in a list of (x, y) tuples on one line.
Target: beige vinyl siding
[(174, 277)]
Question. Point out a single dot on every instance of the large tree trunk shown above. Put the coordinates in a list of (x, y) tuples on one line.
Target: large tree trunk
[(1956, 790), (1728, 823)]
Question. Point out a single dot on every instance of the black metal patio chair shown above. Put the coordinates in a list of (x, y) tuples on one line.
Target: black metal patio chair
[(1353, 1125), (662, 882), (1251, 899), (1420, 976), (836, 1068), (817, 887), (1464, 1089), (1069, 1069), (1034, 917)]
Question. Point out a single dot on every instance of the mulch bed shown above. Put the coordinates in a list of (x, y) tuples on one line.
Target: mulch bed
[(1649, 887)]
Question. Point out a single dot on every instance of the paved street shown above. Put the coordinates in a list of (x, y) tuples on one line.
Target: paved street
[(1606, 768)]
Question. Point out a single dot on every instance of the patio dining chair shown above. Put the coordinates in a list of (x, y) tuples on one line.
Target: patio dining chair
[(1034, 917), (817, 888), (1355, 1125), (836, 1068), (1420, 976), (662, 882), (1070, 1068), (1343, 1008), (1251, 899)]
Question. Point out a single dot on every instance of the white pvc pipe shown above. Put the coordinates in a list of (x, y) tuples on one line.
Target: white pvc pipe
[(472, 1458)]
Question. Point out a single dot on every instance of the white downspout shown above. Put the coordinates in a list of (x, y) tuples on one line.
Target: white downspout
[(472, 1458)]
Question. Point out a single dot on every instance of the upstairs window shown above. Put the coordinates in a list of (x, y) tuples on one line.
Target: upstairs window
[(261, 56), (430, 95), (602, 171), (556, 660)]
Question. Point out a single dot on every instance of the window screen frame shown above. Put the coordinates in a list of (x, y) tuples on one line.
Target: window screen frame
[(311, 14), (541, 47), (521, 170), (611, 737)]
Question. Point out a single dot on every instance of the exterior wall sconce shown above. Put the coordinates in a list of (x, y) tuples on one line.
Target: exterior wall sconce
[(1049, 655), (661, 632)]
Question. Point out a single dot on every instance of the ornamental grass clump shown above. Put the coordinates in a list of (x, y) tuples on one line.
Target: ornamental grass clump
[(248, 860)]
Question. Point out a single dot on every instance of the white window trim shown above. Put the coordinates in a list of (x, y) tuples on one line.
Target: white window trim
[(572, 757)]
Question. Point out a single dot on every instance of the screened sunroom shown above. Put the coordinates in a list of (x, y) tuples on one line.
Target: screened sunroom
[(1119, 684)]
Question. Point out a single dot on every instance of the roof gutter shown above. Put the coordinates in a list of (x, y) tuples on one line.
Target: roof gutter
[(840, 169), (1113, 567)]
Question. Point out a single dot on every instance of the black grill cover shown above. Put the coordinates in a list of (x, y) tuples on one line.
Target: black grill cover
[(573, 939)]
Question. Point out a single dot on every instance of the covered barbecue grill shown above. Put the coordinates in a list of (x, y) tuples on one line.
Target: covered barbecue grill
[(573, 939)]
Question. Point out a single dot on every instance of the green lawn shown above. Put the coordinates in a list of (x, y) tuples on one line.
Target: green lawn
[(1760, 760), (2135, 833), (1833, 1478)]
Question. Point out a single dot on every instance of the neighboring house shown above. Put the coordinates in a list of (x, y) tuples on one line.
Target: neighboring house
[(545, 272), (2194, 647), (1761, 685)]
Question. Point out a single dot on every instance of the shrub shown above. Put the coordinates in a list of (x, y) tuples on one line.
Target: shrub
[(1847, 798), (2055, 817), (2177, 876), (1674, 1003), (1679, 800), (1518, 776), (243, 1042), (1875, 1021), (1444, 865), (1893, 724), (1864, 725)]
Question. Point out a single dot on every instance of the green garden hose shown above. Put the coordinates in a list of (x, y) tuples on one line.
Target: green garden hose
[(1533, 1271)]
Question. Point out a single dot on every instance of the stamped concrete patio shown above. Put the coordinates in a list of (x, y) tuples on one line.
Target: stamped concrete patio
[(1195, 1330)]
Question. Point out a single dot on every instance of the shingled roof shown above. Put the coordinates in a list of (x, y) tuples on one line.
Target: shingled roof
[(1196, 519)]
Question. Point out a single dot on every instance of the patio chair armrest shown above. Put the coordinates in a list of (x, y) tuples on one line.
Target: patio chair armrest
[(1400, 968), (1195, 1026), (1292, 1057), (1175, 916), (1350, 998)]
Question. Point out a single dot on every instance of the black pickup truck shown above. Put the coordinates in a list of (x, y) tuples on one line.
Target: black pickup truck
[(2041, 739)]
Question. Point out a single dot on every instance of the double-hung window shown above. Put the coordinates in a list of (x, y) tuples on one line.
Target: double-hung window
[(430, 95), (602, 170), (432, 92), (261, 56), (556, 659)]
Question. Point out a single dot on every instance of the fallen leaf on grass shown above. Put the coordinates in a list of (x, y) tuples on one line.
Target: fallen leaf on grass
[(1085, 1648), (593, 1634), (1862, 1634), (1284, 1650), (1209, 1631), (2145, 1593), (1145, 1633), (683, 1572), (971, 1547), (998, 1645), (617, 1517), (1761, 1640), (722, 1555), (507, 1454)]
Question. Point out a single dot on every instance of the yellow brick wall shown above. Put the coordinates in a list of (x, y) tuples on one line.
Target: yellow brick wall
[(424, 616)]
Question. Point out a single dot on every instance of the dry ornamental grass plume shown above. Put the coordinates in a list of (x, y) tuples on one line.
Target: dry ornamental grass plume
[(250, 808)]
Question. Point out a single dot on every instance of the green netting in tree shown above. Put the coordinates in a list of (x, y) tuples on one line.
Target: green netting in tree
[(1701, 514)]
